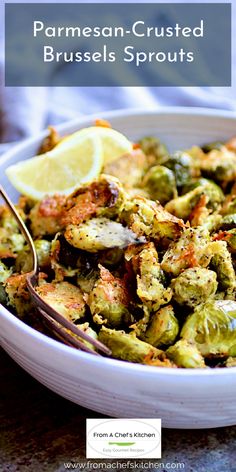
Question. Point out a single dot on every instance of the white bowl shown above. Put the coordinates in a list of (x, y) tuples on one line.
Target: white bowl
[(182, 398)]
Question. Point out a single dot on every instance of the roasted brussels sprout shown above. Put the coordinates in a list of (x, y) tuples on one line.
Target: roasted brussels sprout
[(4, 274), (212, 145), (7, 220), (212, 327), (220, 165), (231, 144), (230, 362), (210, 222), (129, 168), (193, 286), (127, 346), (183, 167), (11, 241), (230, 238), (229, 205), (163, 328), (228, 222), (183, 206), (159, 182), (24, 260), (86, 279), (166, 227), (111, 257), (214, 193), (145, 217), (64, 297), (88, 330), (185, 354), (150, 288), (154, 149), (18, 296), (109, 300), (87, 272), (221, 263), (188, 251), (64, 258), (98, 234), (138, 214), (103, 197), (46, 216)]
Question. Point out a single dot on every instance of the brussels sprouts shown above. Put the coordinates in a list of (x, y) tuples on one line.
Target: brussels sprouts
[(229, 206), (86, 280), (10, 243), (138, 214), (163, 328), (111, 257), (145, 217), (109, 300), (189, 251), (65, 298), (212, 327), (127, 346), (230, 362), (194, 286), (8, 221), (183, 167), (105, 196), (87, 273), (3, 296), (160, 184), (24, 260), (185, 354), (214, 193), (194, 183), (4, 274), (221, 263), (43, 248), (129, 168), (98, 234), (230, 237), (211, 222), (220, 165), (231, 144), (150, 288), (228, 222), (183, 206), (212, 145), (18, 296), (64, 258), (88, 330), (46, 216), (153, 148)]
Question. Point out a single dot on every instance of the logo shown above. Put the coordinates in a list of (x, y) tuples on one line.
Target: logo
[(123, 438)]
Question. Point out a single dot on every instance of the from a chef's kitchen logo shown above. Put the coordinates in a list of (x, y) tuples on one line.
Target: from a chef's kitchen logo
[(123, 438)]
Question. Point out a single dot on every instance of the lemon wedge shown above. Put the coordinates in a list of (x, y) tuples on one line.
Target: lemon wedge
[(76, 159), (114, 143), (60, 171)]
